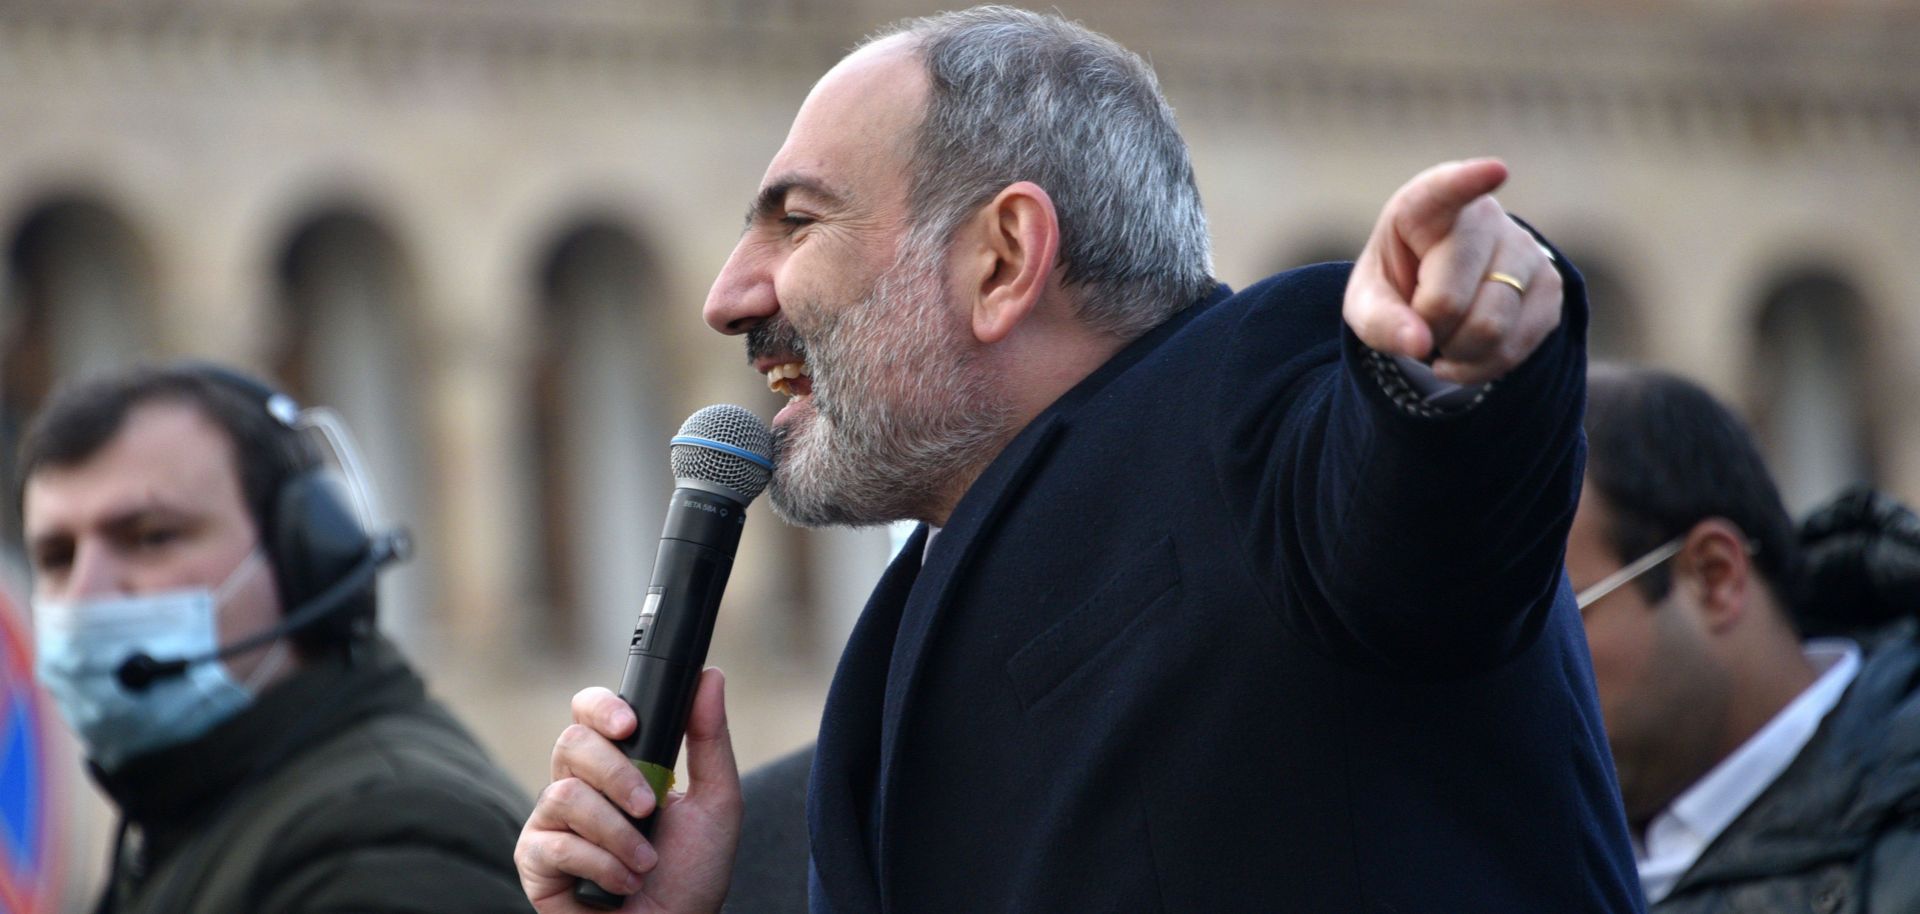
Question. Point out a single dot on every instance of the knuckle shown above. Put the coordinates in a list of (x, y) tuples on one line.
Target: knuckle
[(1440, 304), (541, 853), (570, 855), (1485, 207), (566, 793), (1548, 280), (1486, 325), (619, 774), (575, 738), (563, 856)]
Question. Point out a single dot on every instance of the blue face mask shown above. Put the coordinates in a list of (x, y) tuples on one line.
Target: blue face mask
[(81, 645)]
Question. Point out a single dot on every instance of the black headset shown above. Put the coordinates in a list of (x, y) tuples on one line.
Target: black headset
[(323, 559)]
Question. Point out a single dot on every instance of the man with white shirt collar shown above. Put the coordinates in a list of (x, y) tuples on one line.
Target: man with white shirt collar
[(1759, 772)]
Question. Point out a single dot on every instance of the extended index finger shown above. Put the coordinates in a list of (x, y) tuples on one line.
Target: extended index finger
[(1430, 203)]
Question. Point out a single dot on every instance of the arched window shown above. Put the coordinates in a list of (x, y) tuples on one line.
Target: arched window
[(347, 341), (76, 301), (1812, 405), (596, 435)]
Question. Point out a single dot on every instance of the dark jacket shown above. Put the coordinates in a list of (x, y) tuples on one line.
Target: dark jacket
[(1839, 832), (770, 868), (343, 789), (1231, 628)]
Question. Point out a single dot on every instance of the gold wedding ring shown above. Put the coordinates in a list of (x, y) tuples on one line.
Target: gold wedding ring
[(1507, 280)]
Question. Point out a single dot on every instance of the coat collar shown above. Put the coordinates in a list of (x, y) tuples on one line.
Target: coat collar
[(971, 524), (873, 687), (840, 788)]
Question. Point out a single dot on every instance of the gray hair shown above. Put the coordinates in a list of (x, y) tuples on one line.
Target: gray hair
[(1021, 96)]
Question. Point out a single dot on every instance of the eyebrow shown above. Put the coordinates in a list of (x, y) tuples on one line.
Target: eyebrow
[(118, 522), (772, 198)]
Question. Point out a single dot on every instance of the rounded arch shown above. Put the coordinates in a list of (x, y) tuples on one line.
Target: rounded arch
[(1813, 400), (77, 299), (595, 417), (347, 337), (338, 271)]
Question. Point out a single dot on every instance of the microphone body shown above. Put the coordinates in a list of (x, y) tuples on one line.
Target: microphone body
[(720, 463), (675, 628)]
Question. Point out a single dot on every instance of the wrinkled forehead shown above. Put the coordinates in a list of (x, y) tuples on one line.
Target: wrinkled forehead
[(857, 125)]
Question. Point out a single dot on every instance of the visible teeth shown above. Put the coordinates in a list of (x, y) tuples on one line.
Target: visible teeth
[(780, 377)]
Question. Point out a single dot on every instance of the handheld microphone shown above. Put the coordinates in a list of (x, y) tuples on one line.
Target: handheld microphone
[(140, 671), (720, 463)]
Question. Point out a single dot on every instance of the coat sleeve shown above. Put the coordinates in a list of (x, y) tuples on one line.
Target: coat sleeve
[(1424, 541)]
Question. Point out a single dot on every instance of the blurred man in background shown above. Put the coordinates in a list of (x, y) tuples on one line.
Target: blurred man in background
[(203, 608), (1759, 772)]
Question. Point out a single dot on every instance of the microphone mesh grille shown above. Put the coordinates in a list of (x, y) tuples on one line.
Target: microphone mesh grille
[(730, 425)]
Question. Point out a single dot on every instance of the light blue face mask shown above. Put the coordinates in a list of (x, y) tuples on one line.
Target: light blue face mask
[(81, 645)]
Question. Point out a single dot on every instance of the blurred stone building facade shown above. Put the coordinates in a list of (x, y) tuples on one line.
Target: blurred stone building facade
[(482, 230)]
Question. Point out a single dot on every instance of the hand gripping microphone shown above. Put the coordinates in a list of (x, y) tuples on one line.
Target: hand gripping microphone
[(720, 463)]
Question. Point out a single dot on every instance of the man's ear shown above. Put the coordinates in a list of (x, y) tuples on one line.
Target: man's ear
[(1005, 257), (1718, 559)]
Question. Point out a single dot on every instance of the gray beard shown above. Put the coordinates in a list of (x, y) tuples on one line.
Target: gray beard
[(903, 412)]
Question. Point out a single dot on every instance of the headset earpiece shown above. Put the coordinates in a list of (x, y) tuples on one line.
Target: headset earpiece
[(316, 540), (311, 533)]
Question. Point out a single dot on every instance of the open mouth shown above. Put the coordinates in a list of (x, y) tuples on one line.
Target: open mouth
[(791, 379)]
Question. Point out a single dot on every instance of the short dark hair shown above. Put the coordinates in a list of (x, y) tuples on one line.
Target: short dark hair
[(78, 420), (1666, 455)]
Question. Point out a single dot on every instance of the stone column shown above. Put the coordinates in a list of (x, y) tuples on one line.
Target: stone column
[(210, 300), (474, 398)]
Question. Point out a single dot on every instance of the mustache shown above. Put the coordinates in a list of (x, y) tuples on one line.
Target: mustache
[(775, 337)]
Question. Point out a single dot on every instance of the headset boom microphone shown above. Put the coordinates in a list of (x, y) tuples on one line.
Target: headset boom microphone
[(720, 463)]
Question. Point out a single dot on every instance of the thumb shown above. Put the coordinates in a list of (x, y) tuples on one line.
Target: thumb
[(710, 762), (1379, 312)]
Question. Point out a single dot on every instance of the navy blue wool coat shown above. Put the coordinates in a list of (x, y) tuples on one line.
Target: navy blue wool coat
[(1228, 629)]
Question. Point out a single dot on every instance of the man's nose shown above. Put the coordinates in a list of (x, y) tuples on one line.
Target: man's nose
[(97, 571), (742, 297)]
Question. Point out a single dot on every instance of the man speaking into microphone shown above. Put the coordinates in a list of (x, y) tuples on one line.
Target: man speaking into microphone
[(1219, 602), (203, 608)]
